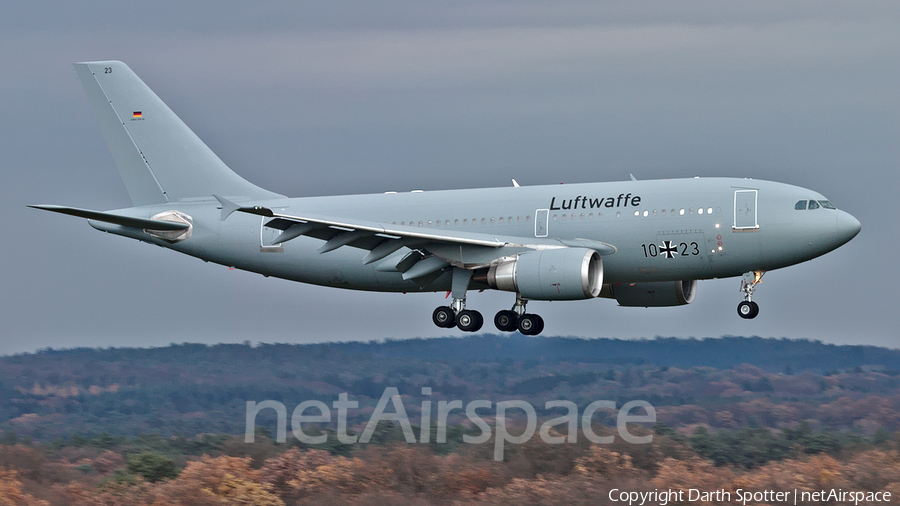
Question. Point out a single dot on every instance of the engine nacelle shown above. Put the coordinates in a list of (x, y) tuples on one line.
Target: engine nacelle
[(656, 294), (551, 274)]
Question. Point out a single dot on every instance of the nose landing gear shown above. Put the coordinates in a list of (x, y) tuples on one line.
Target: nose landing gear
[(749, 309)]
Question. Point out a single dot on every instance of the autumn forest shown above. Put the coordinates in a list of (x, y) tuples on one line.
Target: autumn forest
[(733, 416)]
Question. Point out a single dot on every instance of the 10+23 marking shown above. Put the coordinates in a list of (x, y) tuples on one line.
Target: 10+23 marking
[(670, 249)]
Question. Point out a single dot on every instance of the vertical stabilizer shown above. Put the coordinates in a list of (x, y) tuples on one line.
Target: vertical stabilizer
[(159, 157)]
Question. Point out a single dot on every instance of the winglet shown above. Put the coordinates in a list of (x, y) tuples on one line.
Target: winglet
[(228, 206), (515, 183), (632, 177)]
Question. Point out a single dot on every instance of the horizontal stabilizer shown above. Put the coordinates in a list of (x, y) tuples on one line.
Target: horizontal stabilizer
[(116, 219)]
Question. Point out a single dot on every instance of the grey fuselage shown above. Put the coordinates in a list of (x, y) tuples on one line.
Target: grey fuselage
[(662, 230)]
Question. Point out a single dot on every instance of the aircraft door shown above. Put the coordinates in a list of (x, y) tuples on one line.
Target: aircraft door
[(541, 222), (266, 237), (745, 212)]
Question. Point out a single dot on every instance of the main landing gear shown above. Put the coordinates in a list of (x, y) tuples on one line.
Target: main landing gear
[(749, 309), (506, 320), (467, 320), (456, 314), (510, 320)]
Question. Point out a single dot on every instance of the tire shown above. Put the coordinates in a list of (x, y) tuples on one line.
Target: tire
[(469, 321), (755, 309), (748, 310), (480, 322), (443, 317), (540, 325), (529, 324), (506, 321)]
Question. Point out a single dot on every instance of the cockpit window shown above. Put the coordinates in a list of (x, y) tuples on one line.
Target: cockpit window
[(800, 206), (826, 204), (813, 205)]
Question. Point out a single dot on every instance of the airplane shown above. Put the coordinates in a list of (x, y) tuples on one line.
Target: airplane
[(642, 243)]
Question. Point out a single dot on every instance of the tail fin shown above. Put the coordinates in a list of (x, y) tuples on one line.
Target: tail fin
[(159, 157)]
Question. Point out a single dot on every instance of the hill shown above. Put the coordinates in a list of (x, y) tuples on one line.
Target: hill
[(190, 389)]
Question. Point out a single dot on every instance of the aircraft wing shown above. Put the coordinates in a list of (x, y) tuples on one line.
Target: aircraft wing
[(370, 228), (432, 249)]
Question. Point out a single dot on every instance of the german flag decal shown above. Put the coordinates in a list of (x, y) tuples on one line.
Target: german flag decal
[(136, 115)]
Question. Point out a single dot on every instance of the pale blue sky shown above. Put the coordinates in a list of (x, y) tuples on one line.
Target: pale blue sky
[(319, 98)]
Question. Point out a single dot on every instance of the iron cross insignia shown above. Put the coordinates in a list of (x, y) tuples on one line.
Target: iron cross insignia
[(668, 249)]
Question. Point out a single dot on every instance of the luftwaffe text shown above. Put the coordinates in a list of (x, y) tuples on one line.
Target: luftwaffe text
[(583, 202)]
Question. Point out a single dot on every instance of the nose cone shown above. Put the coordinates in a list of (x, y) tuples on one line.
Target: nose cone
[(846, 226)]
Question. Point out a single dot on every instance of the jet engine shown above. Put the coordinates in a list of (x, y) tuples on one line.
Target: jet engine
[(551, 274), (657, 294)]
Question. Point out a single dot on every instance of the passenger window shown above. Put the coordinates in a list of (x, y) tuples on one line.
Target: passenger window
[(826, 204), (813, 205), (800, 206)]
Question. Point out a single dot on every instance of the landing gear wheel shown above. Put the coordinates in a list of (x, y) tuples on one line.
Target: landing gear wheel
[(506, 321), (443, 317), (469, 321), (540, 326), (530, 324), (748, 309)]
